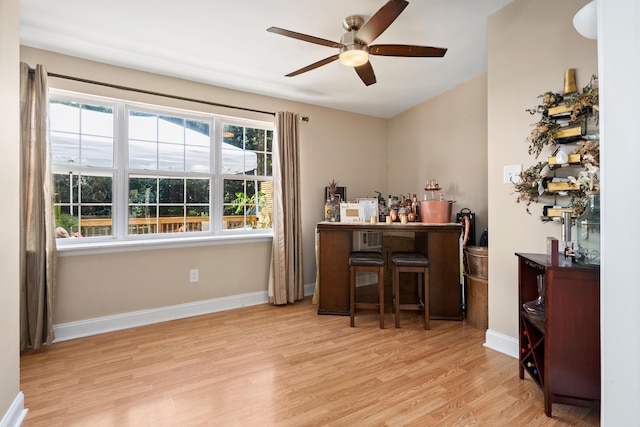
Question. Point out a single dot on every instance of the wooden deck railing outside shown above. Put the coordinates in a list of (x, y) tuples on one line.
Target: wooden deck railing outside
[(95, 227)]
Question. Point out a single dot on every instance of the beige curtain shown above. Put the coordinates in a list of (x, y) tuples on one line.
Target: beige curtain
[(286, 278), (37, 238)]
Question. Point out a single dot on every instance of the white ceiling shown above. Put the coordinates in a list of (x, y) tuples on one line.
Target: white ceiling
[(225, 43)]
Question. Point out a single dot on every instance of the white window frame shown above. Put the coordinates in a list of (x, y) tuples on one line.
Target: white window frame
[(120, 240)]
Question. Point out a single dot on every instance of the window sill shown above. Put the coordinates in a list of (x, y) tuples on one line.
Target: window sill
[(106, 247)]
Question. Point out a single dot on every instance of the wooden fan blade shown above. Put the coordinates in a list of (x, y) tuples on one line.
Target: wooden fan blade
[(406, 50), (380, 21), (304, 37), (366, 73), (314, 65)]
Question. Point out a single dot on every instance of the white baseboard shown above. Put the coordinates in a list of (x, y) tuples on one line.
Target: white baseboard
[(502, 343), (309, 289), (100, 325), (16, 413)]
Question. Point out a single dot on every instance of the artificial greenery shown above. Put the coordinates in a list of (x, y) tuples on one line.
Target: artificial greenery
[(588, 179), (333, 187), (542, 135), (579, 102), (585, 100), (531, 184)]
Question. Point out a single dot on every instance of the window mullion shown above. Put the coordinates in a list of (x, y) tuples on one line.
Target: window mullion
[(216, 197)]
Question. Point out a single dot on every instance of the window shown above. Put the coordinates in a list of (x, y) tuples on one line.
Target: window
[(246, 155), (125, 171), (82, 149)]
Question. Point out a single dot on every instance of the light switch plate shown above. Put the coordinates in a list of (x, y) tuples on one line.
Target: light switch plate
[(512, 174)]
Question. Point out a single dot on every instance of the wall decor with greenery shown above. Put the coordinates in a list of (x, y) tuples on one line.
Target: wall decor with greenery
[(567, 132)]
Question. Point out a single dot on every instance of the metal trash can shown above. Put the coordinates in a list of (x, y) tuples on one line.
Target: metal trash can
[(476, 260)]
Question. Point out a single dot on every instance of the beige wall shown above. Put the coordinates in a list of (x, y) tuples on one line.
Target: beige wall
[(350, 148), (347, 147), (9, 173), (531, 43), (106, 284), (444, 138)]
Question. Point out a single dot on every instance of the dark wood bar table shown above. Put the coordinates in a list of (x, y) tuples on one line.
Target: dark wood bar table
[(439, 242)]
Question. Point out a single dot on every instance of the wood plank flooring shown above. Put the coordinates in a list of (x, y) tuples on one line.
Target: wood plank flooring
[(284, 366)]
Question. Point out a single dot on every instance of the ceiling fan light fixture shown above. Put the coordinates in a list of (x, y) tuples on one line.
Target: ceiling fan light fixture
[(354, 58), (355, 45), (352, 53)]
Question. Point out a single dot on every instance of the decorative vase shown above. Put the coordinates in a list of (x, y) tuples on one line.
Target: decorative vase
[(588, 232), (570, 81)]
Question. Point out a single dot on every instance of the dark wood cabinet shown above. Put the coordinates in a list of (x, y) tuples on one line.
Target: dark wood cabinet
[(560, 348), (439, 242)]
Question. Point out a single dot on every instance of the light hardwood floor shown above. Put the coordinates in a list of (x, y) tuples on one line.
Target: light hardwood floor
[(284, 366)]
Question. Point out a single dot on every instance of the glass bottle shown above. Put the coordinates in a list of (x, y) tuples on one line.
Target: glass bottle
[(407, 201), (588, 232), (335, 203), (329, 211)]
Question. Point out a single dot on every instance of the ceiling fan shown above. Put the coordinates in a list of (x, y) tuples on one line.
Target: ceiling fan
[(354, 48)]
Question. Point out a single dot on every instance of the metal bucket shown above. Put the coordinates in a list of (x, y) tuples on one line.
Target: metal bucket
[(477, 261), (435, 211)]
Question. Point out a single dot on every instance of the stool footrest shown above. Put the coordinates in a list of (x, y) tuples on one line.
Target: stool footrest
[(416, 307), (369, 305)]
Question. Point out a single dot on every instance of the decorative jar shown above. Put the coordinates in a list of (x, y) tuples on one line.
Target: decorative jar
[(588, 232), (332, 210)]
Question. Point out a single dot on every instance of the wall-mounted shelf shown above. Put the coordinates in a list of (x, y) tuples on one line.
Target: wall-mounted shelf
[(568, 129)]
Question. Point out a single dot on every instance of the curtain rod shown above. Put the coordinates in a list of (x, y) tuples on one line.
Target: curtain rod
[(165, 95), (148, 92)]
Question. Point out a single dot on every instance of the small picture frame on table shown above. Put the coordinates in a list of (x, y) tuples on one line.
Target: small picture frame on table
[(341, 194)]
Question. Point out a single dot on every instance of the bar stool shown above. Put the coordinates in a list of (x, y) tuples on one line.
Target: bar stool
[(361, 261), (411, 262)]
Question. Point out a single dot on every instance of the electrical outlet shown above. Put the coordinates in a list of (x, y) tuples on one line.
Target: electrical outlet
[(512, 174), (194, 275)]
